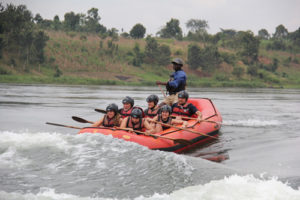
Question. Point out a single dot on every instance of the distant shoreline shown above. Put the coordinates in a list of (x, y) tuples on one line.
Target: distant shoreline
[(65, 80)]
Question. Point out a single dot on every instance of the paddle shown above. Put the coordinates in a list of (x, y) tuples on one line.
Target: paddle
[(182, 141), (78, 119), (162, 91), (100, 110), (62, 125), (183, 117), (185, 129)]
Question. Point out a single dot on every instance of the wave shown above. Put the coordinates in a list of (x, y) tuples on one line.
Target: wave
[(234, 187), (252, 123)]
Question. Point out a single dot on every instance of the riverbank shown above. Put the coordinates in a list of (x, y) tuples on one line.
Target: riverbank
[(68, 80)]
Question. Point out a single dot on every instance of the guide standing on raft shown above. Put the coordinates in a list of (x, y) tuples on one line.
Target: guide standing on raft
[(176, 83)]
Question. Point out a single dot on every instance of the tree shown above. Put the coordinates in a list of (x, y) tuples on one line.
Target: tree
[(71, 21), (171, 30), (56, 23), (249, 44), (197, 25), (281, 32), (208, 58), (137, 31), (151, 50), (295, 37), (138, 55), (38, 18), (263, 34), (92, 22), (164, 55), (21, 39), (155, 53), (197, 30), (194, 59)]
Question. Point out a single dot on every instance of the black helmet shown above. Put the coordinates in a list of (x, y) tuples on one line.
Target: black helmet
[(128, 100), (183, 94), (152, 98), (136, 113), (166, 108), (112, 107), (177, 61)]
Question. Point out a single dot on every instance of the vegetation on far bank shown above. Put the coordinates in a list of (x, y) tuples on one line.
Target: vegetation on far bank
[(80, 50)]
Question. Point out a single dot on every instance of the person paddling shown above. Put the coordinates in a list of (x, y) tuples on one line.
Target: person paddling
[(111, 118), (128, 103), (128, 106), (165, 117), (176, 83), (136, 122), (153, 108), (183, 108)]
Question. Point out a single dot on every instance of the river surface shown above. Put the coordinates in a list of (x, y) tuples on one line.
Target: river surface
[(260, 137)]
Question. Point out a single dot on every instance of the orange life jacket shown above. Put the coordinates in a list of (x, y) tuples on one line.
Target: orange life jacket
[(168, 121), (138, 126), (124, 113), (182, 110), (152, 112), (107, 122)]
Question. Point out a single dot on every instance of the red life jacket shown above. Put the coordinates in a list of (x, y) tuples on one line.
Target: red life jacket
[(152, 112), (168, 121), (127, 113), (124, 113), (138, 126), (182, 110), (107, 122)]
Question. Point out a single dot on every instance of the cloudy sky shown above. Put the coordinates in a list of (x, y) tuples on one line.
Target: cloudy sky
[(153, 14)]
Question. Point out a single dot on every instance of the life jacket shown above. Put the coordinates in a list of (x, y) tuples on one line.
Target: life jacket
[(124, 113), (152, 112), (127, 113), (168, 121), (107, 122), (182, 110), (138, 126)]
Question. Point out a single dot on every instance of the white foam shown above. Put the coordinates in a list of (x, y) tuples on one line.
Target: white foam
[(239, 187), (27, 140), (230, 188), (252, 123)]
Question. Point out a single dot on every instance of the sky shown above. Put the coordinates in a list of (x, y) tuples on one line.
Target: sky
[(240, 15)]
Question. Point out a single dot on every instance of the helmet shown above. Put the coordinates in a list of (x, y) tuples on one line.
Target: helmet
[(183, 94), (152, 98), (112, 107), (136, 113), (128, 100), (177, 61), (166, 108)]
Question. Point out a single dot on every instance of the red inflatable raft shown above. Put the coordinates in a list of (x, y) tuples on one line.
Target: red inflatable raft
[(200, 133)]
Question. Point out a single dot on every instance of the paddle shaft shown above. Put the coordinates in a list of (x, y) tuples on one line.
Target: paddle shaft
[(162, 91), (183, 141), (183, 117), (185, 129), (62, 125)]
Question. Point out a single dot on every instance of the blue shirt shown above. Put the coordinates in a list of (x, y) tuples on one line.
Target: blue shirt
[(179, 78)]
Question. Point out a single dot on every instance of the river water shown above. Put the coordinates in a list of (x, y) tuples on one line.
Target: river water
[(260, 138)]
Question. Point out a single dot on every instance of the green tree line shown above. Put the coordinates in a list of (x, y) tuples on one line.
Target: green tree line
[(23, 39)]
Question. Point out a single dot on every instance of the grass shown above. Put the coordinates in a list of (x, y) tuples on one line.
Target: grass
[(84, 62)]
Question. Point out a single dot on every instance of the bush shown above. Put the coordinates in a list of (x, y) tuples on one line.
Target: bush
[(228, 58), (221, 77), (238, 71)]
